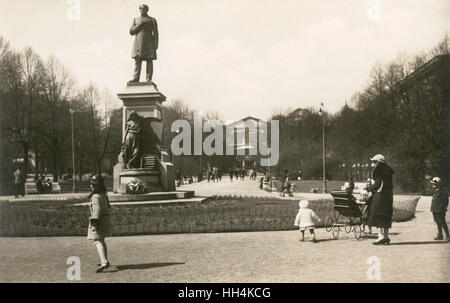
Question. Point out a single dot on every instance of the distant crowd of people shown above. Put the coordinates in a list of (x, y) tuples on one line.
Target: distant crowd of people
[(43, 185), (214, 174), (241, 173)]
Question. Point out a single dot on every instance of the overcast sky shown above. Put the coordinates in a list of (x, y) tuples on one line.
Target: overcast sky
[(239, 57)]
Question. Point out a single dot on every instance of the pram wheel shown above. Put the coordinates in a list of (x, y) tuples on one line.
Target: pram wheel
[(328, 223), (348, 227), (335, 231), (358, 231)]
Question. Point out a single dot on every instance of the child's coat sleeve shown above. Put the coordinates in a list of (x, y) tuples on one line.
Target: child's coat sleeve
[(315, 217), (96, 208), (297, 219)]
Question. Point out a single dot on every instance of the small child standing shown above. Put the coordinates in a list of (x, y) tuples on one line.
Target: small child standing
[(306, 219), (439, 205)]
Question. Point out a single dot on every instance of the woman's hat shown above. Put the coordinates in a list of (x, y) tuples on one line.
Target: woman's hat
[(378, 158), (436, 180), (97, 180), (303, 203)]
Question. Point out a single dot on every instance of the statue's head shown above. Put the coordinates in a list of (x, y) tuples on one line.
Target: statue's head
[(143, 9), (134, 116)]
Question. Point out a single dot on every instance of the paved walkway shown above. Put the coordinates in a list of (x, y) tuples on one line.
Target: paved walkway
[(203, 189), (235, 257), (240, 188)]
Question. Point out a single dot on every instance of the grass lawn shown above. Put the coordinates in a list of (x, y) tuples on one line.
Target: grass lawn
[(217, 214)]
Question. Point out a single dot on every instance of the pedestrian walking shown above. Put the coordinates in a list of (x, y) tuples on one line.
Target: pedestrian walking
[(439, 205), (18, 183), (286, 185), (100, 220)]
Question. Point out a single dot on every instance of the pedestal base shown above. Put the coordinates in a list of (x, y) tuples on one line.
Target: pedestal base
[(144, 99), (149, 178)]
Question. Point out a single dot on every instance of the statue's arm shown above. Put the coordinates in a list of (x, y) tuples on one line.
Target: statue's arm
[(134, 28), (155, 33)]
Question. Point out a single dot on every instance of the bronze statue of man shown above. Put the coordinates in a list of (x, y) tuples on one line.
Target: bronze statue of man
[(131, 149), (145, 45)]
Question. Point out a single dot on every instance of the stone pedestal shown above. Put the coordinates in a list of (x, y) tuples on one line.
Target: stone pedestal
[(145, 99)]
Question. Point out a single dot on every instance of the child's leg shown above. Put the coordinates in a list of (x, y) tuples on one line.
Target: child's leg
[(380, 233), (302, 237), (311, 230), (445, 227), (99, 244), (106, 249), (439, 223), (439, 228)]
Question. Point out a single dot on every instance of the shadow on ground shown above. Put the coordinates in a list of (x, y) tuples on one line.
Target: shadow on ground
[(324, 240), (141, 266), (419, 242)]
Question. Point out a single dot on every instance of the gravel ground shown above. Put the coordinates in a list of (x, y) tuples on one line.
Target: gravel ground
[(235, 257)]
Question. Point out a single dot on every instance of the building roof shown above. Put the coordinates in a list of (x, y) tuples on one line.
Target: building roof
[(244, 120), (427, 67)]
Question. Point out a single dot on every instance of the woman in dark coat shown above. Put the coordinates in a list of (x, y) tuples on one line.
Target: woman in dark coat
[(383, 199)]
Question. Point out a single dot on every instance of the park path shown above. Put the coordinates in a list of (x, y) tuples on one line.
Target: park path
[(240, 187), (275, 256)]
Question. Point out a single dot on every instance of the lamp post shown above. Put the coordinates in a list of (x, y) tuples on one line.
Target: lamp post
[(322, 113), (171, 139), (344, 175), (74, 184)]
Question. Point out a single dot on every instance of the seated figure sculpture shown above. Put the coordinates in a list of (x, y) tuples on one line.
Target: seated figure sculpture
[(140, 139)]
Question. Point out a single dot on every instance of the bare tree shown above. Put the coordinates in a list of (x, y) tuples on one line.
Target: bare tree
[(57, 92), (99, 108)]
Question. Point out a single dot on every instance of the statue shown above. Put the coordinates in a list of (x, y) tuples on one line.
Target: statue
[(145, 29), (140, 139), (131, 148)]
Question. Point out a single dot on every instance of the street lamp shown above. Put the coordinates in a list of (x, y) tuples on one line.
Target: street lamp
[(322, 113), (343, 170), (74, 185), (171, 151)]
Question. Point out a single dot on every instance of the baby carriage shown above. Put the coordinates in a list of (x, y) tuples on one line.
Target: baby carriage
[(348, 215)]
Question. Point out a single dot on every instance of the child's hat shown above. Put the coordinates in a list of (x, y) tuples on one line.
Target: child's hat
[(378, 158), (303, 203), (436, 180)]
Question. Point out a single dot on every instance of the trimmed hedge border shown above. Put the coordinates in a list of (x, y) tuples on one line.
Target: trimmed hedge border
[(217, 214)]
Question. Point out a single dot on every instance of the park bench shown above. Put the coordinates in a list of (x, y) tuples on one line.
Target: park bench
[(30, 185), (359, 187)]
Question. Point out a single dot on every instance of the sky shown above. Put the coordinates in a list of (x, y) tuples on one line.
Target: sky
[(236, 57)]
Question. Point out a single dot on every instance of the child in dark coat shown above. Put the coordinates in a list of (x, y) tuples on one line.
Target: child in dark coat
[(439, 205)]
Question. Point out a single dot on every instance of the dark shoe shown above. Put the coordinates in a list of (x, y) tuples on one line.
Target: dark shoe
[(102, 268), (381, 242), (439, 237)]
